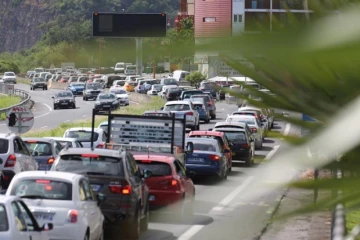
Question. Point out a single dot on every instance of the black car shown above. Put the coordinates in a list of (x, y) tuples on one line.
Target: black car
[(188, 93), (38, 82), (211, 87), (91, 91), (172, 94), (64, 99), (115, 174), (106, 102), (222, 90)]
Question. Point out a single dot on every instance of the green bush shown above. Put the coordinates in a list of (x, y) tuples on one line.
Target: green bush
[(8, 66)]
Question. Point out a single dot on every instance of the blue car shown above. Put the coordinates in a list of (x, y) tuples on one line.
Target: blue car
[(207, 159), (44, 151), (203, 110), (77, 88)]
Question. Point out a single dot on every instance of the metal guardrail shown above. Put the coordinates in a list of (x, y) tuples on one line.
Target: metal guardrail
[(9, 89)]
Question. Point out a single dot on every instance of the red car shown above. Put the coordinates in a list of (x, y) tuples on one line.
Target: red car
[(221, 137), (170, 184)]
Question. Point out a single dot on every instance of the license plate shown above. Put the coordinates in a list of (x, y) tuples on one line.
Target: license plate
[(64, 103), (43, 217), (106, 106), (151, 198), (200, 160), (95, 188)]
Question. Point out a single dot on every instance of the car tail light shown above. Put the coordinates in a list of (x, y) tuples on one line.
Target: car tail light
[(189, 113), (244, 145), (117, 188), (50, 161), (254, 130), (100, 145), (11, 161), (72, 216), (214, 157), (169, 184)]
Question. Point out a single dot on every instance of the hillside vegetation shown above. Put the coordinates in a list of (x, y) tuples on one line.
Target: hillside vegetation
[(68, 37)]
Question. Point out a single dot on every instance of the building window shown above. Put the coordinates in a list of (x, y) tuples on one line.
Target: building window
[(238, 18), (209, 19)]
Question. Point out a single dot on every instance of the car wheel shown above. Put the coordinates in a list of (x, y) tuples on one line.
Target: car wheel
[(55, 107), (86, 236), (46, 88), (74, 107), (213, 116), (144, 225), (134, 229), (85, 98)]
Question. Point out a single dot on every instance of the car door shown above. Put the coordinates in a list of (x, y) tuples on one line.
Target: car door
[(26, 223), (20, 156), (91, 210), (196, 113), (137, 182), (185, 180)]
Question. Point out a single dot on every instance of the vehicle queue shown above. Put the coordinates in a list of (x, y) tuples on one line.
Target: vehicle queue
[(61, 188)]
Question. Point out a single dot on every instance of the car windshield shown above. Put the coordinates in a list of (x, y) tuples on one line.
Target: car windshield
[(177, 107), (91, 164), (204, 146), (39, 80), (119, 65), (4, 145), (93, 86), (9, 74), (83, 79), (249, 121), (78, 85), (106, 96), (42, 188), (170, 81), (82, 136), (64, 94), (120, 83), (4, 225), (118, 91), (157, 168), (189, 94), (39, 148), (235, 136)]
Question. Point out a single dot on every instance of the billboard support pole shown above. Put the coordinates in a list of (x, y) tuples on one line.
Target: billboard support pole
[(138, 56)]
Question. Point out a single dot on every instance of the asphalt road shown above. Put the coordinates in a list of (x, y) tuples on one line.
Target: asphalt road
[(222, 210)]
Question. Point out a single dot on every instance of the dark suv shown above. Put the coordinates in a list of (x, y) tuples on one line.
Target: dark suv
[(207, 86), (115, 174), (38, 82), (91, 91)]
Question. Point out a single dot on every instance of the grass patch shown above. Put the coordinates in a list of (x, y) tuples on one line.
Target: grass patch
[(8, 101), (23, 80), (352, 218), (152, 103)]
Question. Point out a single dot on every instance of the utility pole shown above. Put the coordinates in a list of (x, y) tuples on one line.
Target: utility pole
[(99, 60), (138, 56), (154, 66)]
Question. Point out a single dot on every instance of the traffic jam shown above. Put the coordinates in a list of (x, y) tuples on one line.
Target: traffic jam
[(92, 183)]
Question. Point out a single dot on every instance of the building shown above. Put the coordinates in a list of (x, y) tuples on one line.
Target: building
[(225, 18)]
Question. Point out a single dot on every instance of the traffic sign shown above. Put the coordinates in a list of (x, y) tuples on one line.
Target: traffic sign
[(19, 119)]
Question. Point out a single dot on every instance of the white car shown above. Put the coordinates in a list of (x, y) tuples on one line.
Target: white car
[(9, 77), (155, 89), (64, 199), (181, 108), (255, 125), (119, 67), (118, 84), (121, 95), (15, 157), (18, 223), (130, 70), (72, 142), (267, 120), (83, 134)]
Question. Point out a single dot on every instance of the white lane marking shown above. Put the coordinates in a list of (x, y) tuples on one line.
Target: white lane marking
[(272, 152), (287, 129), (50, 109), (67, 121), (232, 195), (44, 127), (134, 102), (191, 232)]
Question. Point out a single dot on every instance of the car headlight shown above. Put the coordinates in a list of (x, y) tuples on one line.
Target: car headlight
[(56, 101), (71, 100), (115, 102), (97, 103)]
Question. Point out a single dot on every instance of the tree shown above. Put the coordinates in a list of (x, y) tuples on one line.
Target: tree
[(7, 66), (195, 78)]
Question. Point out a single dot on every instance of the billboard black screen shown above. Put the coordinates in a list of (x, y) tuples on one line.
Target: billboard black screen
[(125, 25)]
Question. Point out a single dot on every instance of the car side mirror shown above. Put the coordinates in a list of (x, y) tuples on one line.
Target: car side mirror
[(47, 227), (189, 148), (100, 198), (190, 174), (52, 97), (226, 151), (147, 173)]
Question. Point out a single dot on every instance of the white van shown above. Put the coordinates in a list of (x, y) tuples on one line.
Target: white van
[(119, 67), (130, 70), (179, 75)]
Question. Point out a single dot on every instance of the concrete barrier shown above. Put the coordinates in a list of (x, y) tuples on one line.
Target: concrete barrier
[(57, 85)]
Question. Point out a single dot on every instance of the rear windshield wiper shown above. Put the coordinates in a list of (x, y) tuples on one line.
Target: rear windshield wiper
[(33, 196)]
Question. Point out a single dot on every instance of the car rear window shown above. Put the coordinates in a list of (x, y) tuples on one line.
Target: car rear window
[(204, 147), (42, 188), (177, 107), (235, 136), (244, 120), (82, 136), (39, 148), (4, 145), (4, 225), (157, 168), (90, 164), (64, 143), (245, 113), (210, 137), (209, 85)]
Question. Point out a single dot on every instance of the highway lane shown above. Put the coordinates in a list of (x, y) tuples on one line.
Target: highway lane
[(222, 209)]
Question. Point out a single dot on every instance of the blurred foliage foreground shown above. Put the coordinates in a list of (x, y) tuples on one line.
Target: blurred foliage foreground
[(313, 69)]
